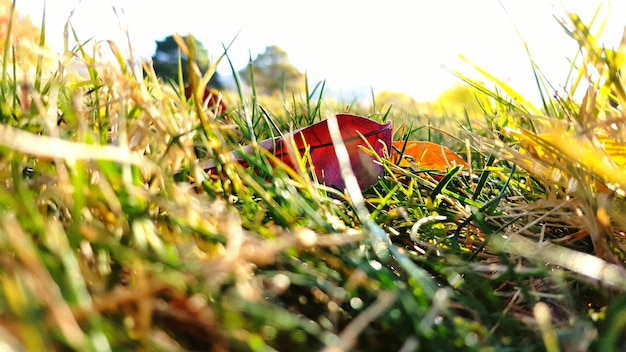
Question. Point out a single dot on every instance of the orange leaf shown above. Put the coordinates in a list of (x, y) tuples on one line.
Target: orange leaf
[(426, 155)]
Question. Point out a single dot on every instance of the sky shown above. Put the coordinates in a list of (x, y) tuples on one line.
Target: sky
[(354, 45)]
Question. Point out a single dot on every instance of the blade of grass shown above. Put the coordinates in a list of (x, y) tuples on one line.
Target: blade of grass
[(444, 181)]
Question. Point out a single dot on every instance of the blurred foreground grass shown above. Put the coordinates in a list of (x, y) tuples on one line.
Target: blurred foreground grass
[(114, 238)]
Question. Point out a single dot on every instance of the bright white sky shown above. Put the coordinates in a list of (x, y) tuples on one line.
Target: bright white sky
[(393, 45)]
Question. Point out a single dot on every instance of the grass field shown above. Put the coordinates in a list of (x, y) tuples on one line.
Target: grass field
[(114, 238)]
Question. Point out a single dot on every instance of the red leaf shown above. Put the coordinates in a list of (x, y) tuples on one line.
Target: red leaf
[(211, 97), (354, 129)]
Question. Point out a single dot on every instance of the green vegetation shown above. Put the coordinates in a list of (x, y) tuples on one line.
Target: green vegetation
[(167, 60), (113, 237), (271, 72)]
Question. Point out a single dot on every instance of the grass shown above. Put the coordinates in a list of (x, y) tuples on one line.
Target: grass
[(113, 237)]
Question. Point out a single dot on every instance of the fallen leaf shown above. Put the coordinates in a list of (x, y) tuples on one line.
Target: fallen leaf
[(211, 99), (356, 132), (425, 155)]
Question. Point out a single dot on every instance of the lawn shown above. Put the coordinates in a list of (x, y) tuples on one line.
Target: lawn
[(115, 235)]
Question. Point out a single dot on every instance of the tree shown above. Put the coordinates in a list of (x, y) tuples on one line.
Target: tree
[(461, 99), (25, 36), (165, 61), (273, 72), (387, 98)]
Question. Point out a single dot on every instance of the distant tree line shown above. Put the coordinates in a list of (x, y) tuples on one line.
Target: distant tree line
[(270, 71), (166, 61)]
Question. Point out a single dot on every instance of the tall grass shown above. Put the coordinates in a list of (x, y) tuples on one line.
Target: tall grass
[(113, 236)]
